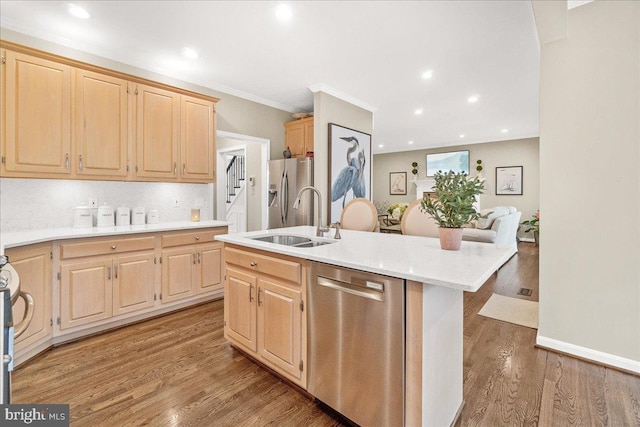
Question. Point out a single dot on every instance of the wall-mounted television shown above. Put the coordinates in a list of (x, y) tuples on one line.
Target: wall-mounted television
[(457, 161)]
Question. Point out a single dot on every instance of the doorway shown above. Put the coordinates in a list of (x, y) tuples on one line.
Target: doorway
[(245, 208)]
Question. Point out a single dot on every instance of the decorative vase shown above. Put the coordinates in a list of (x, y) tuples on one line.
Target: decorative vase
[(450, 238), (286, 153)]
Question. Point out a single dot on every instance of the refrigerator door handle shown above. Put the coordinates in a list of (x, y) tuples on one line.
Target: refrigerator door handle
[(286, 197), (282, 199)]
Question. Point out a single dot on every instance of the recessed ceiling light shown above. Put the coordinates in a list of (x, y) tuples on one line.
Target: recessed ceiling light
[(504, 130), (418, 111), (284, 12), (380, 146), (190, 53), (410, 142), (78, 12), (427, 74), (473, 99), (462, 135)]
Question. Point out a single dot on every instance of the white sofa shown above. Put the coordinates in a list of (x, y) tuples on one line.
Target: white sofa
[(500, 227)]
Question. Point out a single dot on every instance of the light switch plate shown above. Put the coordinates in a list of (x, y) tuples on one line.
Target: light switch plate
[(175, 202), (93, 202)]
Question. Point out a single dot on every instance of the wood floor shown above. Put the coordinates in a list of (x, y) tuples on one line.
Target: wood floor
[(178, 370)]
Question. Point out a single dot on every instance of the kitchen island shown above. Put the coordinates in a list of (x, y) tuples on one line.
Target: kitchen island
[(434, 283)]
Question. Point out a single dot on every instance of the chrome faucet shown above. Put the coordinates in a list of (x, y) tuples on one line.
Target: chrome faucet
[(296, 205)]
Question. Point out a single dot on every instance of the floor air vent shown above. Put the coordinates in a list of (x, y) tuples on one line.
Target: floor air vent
[(525, 292)]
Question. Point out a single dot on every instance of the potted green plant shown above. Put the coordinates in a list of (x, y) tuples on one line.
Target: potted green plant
[(452, 207), (533, 225)]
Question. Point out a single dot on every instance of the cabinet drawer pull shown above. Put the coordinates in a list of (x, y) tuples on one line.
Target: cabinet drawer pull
[(253, 263), (113, 246), (197, 237)]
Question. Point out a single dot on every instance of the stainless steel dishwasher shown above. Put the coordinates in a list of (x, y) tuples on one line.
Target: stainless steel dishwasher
[(356, 344)]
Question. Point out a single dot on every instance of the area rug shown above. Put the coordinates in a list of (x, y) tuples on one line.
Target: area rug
[(512, 310)]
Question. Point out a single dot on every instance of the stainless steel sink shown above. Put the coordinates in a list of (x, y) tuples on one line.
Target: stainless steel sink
[(288, 240)]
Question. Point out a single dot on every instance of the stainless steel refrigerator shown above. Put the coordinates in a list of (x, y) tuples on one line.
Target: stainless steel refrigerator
[(286, 178)]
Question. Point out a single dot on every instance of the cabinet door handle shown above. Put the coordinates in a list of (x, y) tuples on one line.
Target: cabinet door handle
[(109, 273), (175, 168), (199, 253), (66, 161), (250, 293), (115, 271), (81, 163), (253, 263), (194, 257), (184, 169), (259, 293)]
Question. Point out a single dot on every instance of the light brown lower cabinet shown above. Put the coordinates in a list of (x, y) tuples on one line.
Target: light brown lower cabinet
[(264, 313), (105, 287), (33, 265)]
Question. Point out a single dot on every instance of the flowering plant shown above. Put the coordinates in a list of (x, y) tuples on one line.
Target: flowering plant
[(396, 210), (533, 224)]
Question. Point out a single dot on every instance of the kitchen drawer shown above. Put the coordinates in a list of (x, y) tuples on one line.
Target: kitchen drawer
[(278, 267), (204, 235), (105, 247)]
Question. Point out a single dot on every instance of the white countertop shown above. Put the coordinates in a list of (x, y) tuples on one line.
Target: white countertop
[(407, 257), (9, 239)]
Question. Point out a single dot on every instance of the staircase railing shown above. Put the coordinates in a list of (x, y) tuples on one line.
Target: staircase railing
[(235, 176)]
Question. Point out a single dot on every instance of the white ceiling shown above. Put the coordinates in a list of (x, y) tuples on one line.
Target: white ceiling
[(372, 51)]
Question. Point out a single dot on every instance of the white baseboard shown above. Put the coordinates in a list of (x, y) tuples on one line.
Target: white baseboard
[(590, 354)]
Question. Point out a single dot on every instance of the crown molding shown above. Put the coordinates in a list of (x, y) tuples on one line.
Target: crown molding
[(321, 87)]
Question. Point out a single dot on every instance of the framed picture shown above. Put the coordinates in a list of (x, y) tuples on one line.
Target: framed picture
[(509, 180), (349, 167), (398, 183)]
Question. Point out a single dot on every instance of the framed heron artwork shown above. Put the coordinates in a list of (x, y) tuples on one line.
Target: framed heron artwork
[(349, 168)]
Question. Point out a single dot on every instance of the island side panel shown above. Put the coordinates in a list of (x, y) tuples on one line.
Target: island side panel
[(442, 377), (413, 354)]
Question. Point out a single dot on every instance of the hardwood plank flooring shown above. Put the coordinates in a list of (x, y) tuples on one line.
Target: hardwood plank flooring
[(178, 370)]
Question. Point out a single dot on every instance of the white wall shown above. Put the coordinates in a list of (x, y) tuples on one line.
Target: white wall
[(520, 152), (329, 109), (45, 203), (590, 185)]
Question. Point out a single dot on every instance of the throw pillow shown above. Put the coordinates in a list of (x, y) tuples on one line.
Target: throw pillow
[(492, 214)]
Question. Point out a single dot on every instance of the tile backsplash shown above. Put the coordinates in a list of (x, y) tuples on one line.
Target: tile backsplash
[(48, 203)]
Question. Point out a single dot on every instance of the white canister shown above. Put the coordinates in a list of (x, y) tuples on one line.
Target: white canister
[(153, 217), (105, 216), (82, 217), (122, 216), (137, 215)]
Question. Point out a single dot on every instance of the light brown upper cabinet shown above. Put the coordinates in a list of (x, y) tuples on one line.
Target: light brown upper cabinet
[(66, 119), (197, 139), (37, 117), (101, 135), (299, 136), (157, 132)]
